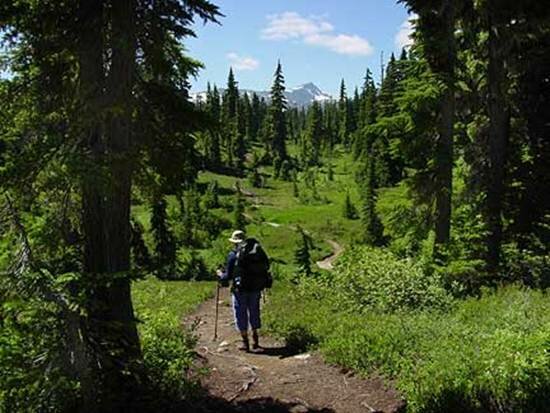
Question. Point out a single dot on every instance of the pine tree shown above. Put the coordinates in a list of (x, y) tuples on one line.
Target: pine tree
[(87, 71), (372, 226), (436, 25), (349, 210), (314, 133), (214, 112), (230, 97), (211, 199), (229, 121), (343, 116), (302, 256), (165, 243), (256, 117), (140, 252), (238, 139), (277, 115)]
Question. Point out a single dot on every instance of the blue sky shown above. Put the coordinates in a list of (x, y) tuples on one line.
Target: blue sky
[(319, 41)]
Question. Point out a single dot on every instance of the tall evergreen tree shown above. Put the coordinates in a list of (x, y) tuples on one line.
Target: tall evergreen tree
[(229, 116), (277, 115), (302, 255), (314, 134), (165, 243), (344, 118), (74, 64), (213, 110), (372, 226), (256, 117)]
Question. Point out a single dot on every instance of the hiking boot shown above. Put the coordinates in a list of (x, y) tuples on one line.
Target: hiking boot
[(255, 343), (245, 346)]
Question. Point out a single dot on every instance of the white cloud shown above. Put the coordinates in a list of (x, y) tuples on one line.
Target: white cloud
[(242, 62), (314, 31), (403, 38)]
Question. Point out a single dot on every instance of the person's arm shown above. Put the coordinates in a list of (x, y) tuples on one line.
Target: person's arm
[(229, 268)]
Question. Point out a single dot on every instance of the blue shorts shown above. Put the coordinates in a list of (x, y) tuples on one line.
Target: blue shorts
[(246, 308)]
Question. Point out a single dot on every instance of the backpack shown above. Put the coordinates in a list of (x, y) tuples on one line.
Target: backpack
[(253, 267)]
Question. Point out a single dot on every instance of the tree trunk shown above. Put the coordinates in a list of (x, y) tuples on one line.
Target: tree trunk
[(498, 139), (118, 130), (444, 150), (90, 54), (106, 113)]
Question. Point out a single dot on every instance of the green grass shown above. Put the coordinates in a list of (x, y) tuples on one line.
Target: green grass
[(177, 298), (168, 348), (486, 355), (276, 204)]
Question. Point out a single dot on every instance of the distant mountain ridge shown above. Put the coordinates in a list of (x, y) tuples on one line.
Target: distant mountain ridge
[(300, 96)]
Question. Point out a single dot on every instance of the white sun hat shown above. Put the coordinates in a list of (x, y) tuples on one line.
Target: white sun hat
[(237, 237)]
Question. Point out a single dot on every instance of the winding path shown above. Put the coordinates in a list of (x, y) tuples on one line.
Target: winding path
[(327, 263), (274, 379)]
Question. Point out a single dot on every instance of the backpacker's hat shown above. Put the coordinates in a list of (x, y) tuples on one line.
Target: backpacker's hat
[(237, 237)]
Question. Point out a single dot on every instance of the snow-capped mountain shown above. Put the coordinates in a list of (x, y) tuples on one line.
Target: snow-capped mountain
[(300, 96), (306, 94)]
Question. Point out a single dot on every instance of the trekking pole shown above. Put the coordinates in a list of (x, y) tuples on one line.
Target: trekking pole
[(217, 309)]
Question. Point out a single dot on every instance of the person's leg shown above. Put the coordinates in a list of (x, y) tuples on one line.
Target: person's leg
[(241, 317), (255, 321)]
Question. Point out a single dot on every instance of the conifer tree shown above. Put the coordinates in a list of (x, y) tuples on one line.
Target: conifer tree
[(165, 243), (314, 133), (256, 117), (344, 123), (211, 199), (229, 121), (302, 255), (140, 252), (238, 139), (230, 97), (436, 26), (349, 210), (372, 226), (213, 109), (277, 113)]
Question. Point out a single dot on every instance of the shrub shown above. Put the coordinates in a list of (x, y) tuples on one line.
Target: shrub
[(484, 355), (168, 354), (374, 279)]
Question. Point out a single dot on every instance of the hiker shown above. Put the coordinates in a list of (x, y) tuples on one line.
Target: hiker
[(248, 268)]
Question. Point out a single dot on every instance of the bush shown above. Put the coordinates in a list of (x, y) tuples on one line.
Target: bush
[(32, 378), (374, 279), (532, 268), (168, 348), (484, 355), (168, 354)]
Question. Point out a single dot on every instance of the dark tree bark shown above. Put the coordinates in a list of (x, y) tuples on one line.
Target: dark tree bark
[(90, 52), (498, 136), (120, 85), (106, 109)]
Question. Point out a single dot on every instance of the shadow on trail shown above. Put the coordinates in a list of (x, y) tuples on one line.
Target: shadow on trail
[(280, 352), (255, 405)]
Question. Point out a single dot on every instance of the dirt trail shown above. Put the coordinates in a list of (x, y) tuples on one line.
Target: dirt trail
[(337, 250), (275, 380)]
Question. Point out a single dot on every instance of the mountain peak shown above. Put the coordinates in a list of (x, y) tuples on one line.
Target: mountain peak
[(300, 96)]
